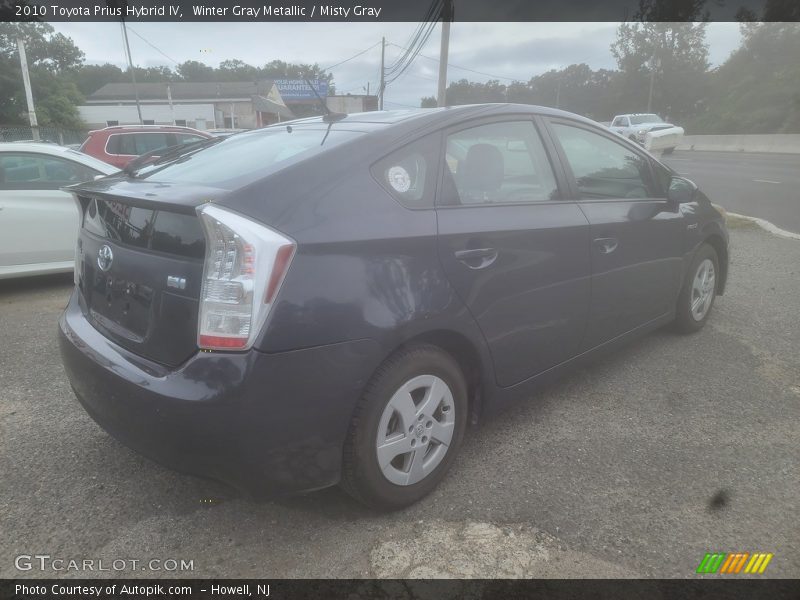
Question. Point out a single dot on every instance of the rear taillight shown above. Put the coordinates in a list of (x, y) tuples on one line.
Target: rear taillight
[(245, 264)]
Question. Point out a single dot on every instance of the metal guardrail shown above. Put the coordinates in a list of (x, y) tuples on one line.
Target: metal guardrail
[(55, 135)]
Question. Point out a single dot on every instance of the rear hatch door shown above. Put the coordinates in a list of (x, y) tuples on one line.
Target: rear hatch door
[(139, 264)]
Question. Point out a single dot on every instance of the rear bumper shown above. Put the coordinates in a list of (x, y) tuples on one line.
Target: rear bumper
[(264, 423)]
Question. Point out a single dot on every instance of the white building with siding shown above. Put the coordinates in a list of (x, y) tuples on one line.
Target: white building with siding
[(203, 105)]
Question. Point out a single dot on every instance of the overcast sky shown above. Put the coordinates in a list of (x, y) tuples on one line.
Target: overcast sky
[(501, 51)]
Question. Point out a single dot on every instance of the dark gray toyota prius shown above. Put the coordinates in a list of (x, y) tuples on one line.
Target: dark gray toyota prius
[(333, 300)]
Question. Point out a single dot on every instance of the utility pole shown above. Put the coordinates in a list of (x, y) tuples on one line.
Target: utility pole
[(171, 107), (133, 73), (383, 78), (653, 65), (558, 93), (447, 16), (26, 80)]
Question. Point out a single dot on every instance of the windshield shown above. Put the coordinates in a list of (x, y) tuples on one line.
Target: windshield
[(246, 157), (639, 119)]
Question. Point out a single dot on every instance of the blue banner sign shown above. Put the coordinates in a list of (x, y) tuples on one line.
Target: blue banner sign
[(298, 89)]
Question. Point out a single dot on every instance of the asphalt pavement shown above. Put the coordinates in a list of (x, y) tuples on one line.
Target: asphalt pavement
[(757, 185), (635, 466)]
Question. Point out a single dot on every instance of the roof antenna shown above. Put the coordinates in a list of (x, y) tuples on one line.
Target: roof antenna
[(330, 116)]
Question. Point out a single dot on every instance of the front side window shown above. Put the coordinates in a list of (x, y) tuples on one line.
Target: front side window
[(147, 142), (602, 167), (21, 171), (497, 163)]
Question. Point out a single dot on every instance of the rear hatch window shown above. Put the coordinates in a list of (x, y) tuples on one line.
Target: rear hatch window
[(247, 157), (145, 228)]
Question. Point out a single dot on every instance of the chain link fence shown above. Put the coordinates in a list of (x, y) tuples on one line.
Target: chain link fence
[(54, 135)]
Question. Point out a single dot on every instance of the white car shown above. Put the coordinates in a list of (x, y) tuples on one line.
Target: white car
[(649, 130), (38, 221)]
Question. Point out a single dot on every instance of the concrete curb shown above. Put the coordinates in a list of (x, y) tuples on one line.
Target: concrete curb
[(764, 224)]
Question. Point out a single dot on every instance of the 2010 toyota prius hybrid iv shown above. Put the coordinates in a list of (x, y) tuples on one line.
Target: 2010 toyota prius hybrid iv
[(333, 300)]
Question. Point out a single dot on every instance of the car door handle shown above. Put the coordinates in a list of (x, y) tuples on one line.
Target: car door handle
[(606, 245), (477, 258)]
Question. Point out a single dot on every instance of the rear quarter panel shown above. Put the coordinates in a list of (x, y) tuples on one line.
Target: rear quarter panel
[(365, 267)]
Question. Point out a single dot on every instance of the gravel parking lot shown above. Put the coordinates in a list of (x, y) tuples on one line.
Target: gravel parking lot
[(633, 467)]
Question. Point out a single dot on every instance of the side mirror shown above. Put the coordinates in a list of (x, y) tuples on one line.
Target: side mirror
[(681, 190)]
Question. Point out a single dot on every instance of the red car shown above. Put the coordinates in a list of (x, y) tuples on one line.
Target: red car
[(120, 144)]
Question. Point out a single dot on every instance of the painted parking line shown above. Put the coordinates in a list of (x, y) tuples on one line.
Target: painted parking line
[(765, 181)]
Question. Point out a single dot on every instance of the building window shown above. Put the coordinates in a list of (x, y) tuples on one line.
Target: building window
[(148, 122), (112, 123), (180, 122), (231, 124)]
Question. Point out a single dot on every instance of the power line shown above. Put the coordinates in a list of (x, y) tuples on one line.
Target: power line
[(436, 60), (397, 73), (416, 42), (433, 10), (352, 57), (153, 46)]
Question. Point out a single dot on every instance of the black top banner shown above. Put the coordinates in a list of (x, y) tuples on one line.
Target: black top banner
[(399, 10)]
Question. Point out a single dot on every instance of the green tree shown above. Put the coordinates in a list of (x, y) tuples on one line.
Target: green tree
[(673, 56), (50, 56), (90, 78), (152, 75), (237, 70), (428, 102), (757, 90), (192, 70), (56, 100), (464, 91)]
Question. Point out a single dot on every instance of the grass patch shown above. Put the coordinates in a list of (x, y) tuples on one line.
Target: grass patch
[(739, 223)]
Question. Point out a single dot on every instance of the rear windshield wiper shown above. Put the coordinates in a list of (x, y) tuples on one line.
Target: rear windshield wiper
[(162, 155)]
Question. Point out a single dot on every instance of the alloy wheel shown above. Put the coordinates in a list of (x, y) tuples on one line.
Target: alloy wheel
[(703, 289), (415, 430)]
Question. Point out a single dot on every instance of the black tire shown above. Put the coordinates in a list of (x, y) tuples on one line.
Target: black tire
[(668, 150), (685, 321), (362, 476)]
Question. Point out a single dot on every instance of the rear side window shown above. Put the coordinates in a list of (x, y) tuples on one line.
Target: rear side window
[(38, 171), (409, 174), (135, 144), (247, 157), (497, 163)]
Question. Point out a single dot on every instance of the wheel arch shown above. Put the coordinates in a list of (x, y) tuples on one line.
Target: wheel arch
[(465, 352)]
